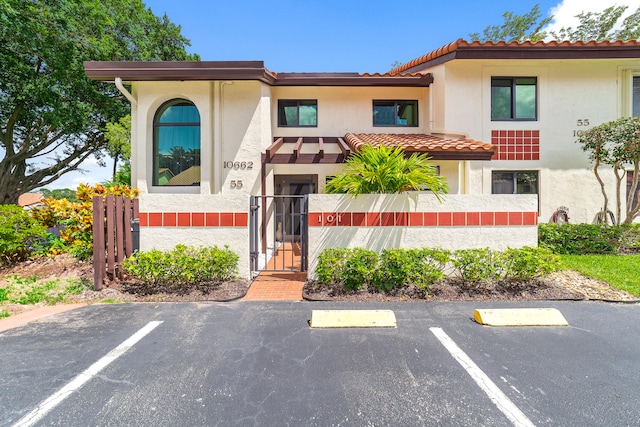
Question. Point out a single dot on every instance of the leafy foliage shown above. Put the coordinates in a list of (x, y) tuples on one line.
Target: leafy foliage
[(52, 117), (118, 137), (182, 267), (402, 267), (616, 144), (18, 232), (76, 219), (386, 170), (603, 25), (598, 26), (478, 265), (581, 239), (516, 27), (358, 268)]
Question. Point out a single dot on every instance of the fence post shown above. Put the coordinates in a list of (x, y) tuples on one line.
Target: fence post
[(111, 238), (98, 243), (135, 227)]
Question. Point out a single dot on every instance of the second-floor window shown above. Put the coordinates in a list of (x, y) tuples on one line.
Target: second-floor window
[(514, 98), (395, 113), (297, 113), (635, 111)]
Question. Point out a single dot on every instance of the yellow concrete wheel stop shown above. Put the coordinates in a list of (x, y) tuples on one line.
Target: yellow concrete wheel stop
[(520, 317), (353, 319)]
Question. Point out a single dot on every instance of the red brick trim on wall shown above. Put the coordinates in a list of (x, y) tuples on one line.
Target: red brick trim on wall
[(194, 219), (421, 219), (516, 144)]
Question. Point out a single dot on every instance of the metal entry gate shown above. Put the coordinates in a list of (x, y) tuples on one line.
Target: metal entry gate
[(278, 229)]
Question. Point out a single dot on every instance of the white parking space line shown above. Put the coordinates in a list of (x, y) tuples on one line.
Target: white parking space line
[(43, 408), (511, 411)]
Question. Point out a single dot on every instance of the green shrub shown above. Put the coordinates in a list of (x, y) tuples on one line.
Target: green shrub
[(527, 262), (397, 268), (351, 268), (401, 267), (580, 239), (630, 241), (183, 266), (330, 264), (18, 232), (478, 265)]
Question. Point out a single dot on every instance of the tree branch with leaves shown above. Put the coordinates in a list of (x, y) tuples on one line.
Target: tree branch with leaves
[(616, 144), (52, 117)]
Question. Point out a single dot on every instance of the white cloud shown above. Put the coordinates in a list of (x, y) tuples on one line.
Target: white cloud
[(565, 12)]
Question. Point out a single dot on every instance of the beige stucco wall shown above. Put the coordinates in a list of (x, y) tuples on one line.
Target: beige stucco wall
[(235, 127), (568, 91), (166, 238), (448, 237), (347, 109)]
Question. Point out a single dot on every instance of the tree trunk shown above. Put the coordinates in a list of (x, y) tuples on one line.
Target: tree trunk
[(605, 208)]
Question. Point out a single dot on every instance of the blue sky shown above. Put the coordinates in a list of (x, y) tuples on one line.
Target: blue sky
[(334, 35), (331, 35)]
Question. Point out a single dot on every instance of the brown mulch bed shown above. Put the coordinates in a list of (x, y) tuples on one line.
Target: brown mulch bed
[(565, 285)]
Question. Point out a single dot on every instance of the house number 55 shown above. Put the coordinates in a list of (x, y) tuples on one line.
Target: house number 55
[(236, 184)]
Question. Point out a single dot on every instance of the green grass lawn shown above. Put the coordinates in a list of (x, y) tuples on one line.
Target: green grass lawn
[(620, 271)]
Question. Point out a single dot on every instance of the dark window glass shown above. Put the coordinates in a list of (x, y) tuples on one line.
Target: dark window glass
[(514, 183), (176, 148), (395, 113), (513, 98), (636, 96), (297, 113)]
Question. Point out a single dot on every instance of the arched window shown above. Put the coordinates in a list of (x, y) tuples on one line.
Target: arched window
[(176, 144)]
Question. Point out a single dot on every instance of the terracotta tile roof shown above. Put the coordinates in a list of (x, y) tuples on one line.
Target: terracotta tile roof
[(537, 50), (422, 143), (28, 199)]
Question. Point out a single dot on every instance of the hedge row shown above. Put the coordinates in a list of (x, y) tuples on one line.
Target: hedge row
[(357, 268), (578, 239)]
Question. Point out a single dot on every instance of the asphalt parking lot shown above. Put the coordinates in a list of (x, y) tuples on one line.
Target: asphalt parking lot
[(246, 363)]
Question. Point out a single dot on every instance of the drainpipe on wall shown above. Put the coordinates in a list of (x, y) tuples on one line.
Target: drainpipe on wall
[(125, 92)]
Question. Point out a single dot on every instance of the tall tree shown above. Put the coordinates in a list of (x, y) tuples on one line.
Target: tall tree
[(52, 117), (516, 27), (616, 144), (598, 26), (118, 136), (604, 25)]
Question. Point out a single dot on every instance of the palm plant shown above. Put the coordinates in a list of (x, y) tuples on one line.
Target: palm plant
[(387, 170)]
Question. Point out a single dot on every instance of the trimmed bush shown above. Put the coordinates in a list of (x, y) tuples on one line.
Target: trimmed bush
[(354, 269), (183, 266), (578, 239), (403, 267), (18, 233), (527, 263)]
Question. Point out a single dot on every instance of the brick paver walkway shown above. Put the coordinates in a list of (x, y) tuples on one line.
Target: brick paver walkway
[(273, 286), (279, 286)]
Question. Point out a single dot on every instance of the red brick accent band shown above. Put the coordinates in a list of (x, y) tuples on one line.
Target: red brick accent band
[(194, 219), (516, 144), (421, 219)]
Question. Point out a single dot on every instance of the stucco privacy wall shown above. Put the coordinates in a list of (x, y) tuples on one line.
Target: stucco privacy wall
[(196, 220), (380, 222)]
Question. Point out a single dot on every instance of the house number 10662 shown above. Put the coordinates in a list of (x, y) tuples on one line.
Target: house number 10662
[(238, 165)]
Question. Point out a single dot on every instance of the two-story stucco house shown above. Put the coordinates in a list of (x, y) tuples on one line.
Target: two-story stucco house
[(495, 118)]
